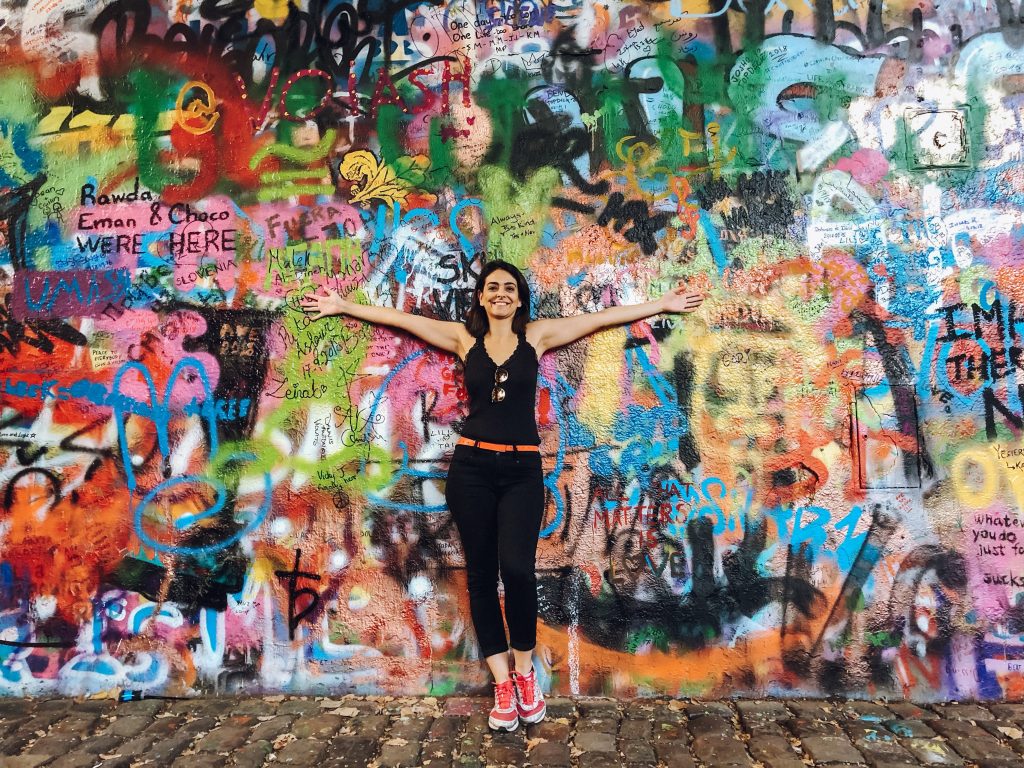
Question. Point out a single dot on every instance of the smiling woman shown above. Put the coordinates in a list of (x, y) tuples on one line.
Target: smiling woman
[(495, 484)]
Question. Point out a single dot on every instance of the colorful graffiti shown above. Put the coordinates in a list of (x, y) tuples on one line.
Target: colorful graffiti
[(813, 485)]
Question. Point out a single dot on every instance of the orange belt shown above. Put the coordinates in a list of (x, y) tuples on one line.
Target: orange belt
[(496, 446)]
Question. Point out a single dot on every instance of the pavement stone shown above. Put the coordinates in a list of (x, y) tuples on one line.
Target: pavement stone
[(136, 747), (55, 705), (351, 752), (198, 725), (11, 707), (805, 727), (720, 751), (599, 707), (827, 750), (516, 737), (771, 749), (8, 727), (470, 744), (978, 749), (635, 729), (594, 741), (258, 707), (761, 711), (905, 710), (669, 732), (587, 732), (858, 730), (54, 744), (963, 712), (867, 711), (696, 708), (958, 729), (304, 752), (373, 726), (710, 725), (1007, 711), (25, 761), (225, 738), (163, 751), (550, 753), (252, 755), (601, 760), (478, 721), (674, 754), (320, 726), (100, 744), (80, 723), (998, 762), (637, 752), (298, 707), (504, 754), (884, 753), (129, 726), (270, 729), (770, 728), (410, 728), (811, 710), (601, 724), (205, 760), (1002, 729), (435, 752), (444, 727), (71, 760), (932, 752), (394, 755), (911, 729), (560, 707)]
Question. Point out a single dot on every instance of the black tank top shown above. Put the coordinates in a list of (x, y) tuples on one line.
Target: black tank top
[(512, 421)]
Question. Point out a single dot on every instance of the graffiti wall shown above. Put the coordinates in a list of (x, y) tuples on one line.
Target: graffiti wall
[(813, 485)]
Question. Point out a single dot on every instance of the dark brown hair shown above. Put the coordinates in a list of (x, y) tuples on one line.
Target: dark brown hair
[(476, 318)]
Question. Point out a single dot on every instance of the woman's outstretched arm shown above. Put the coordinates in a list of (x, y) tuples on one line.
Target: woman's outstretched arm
[(557, 332), (449, 336)]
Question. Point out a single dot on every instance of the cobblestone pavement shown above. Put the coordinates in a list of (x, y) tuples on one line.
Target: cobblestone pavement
[(586, 733)]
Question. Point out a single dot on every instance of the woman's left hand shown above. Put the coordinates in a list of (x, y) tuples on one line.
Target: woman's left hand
[(680, 299)]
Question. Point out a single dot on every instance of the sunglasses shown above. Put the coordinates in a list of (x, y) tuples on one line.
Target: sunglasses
[(500, 377)]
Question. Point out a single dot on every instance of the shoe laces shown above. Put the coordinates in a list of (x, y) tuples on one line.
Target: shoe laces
[(525, 684), (503, 693)]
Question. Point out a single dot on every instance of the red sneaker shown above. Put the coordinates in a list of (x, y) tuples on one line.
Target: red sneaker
[(529, 697), (504, 715)]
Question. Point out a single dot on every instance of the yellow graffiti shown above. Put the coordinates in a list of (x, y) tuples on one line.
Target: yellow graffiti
[(687, 137), (603, 371), (198, 117), (981, 488)]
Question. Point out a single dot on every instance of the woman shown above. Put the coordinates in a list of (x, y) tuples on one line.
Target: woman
[(495, 484)]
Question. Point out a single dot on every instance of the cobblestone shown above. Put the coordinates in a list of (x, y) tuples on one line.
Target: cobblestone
[(586, 732), (550, 753), (831, 749), (771, 749), (304, 752), (595, 741), (720, 751), (906, 710), (911, 729), (963, 712), (674, 754)]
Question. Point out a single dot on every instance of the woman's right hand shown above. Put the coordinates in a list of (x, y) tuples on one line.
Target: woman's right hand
[(323, 304)]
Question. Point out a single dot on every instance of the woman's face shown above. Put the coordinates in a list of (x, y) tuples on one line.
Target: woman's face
[(500, 295)]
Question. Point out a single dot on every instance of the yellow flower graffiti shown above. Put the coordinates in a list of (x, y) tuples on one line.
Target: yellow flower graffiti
[(379, 181)]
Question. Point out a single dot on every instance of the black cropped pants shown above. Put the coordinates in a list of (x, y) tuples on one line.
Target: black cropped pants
[(497, 502)]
